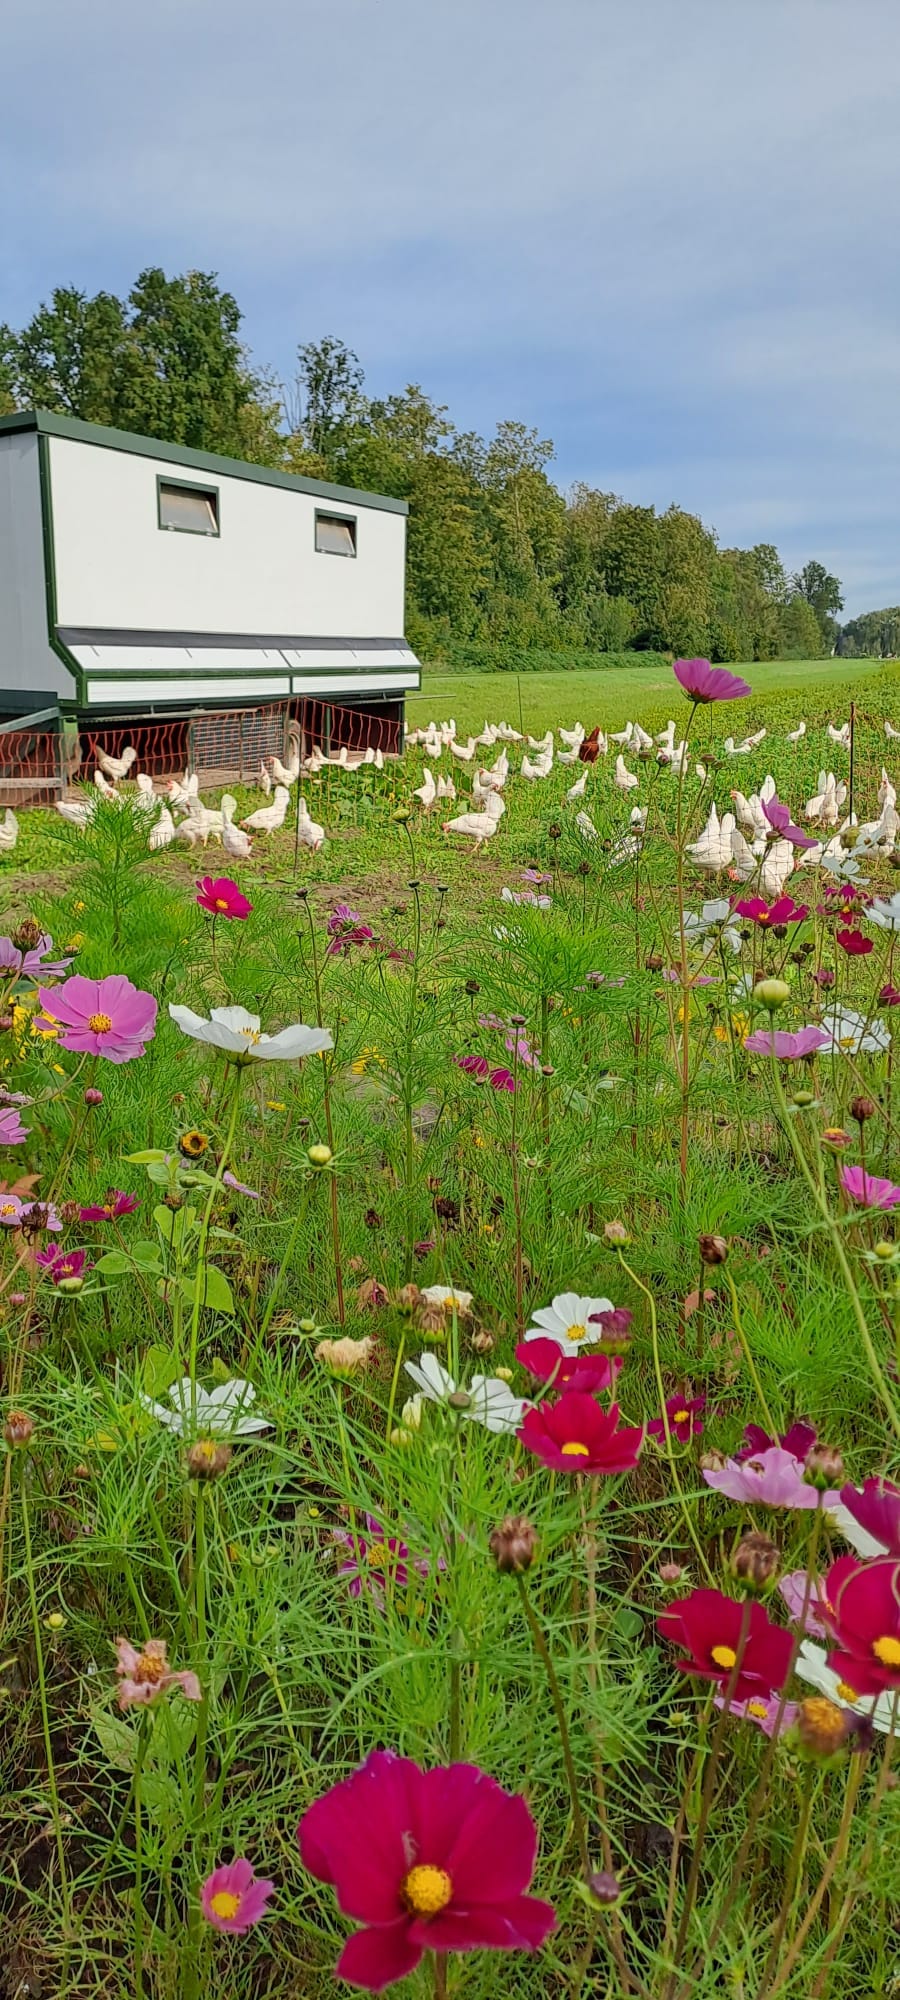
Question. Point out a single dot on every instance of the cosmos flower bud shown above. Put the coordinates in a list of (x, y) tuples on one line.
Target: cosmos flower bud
[(400, 1438), (555, 831), (613, 1334), (408, 1298), (604, 1888), (654, 961), (514, 1544), (459, 1400), (208, 1458), (755, 1563), (670, 1572), (411, 1413), (862, 1108), (54, 1621), (372, 1219), (713, 1249), (70, 1285), (93, 1097), (821, 1727), (18, 1298), (503, 1374), (771, 993), (803, 1098), (482, 1341), (69, 1212), (615, 1233), (320, 1156), (18, 1429), (27, 935), (835, 1139), (401, 815), (824, 1468), (472, 987), (824, 977), (884, 1250)]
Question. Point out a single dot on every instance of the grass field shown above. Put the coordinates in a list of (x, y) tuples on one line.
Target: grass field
[(612, 698)]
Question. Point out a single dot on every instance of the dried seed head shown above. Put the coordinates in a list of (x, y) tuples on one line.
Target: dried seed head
[(615, 1232), (654, 961), (346, 1356), (18, 1429), (670, 1572), (69, 1212), (482, 1342), (713, 1249), (755, 1563), (447, 1209), (27, 935), (472, 987), (514, 1544), (208, 1458), (408, 1298), (431, 1320), (824, 1468), (821, 1726), (372, 1219)]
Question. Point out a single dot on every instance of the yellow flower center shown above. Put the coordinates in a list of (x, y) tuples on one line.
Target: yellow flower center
[(724, 1656), (9, 1208), (759, 1709), (66, 1270), (378, 1556), (221, 902), (846, 1692), (426, 1890), (576, 1332), (275, 1104), (149, 1668), (99, 1024), (681, 1417), (252, 1034), (575, 1450), (887, 1650), (225, 1903), (206, 1449)]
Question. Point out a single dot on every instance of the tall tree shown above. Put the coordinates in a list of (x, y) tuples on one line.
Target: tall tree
[(822, 592), (328, 391)]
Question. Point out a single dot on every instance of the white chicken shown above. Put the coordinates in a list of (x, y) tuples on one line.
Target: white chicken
[(285, 774), (106, 790), (308, 833), (890, 731), (586, 826), (572, 737), (269, 819), (183, 790), (265, 781), (77, 812), (162, 833), (625, 779), (543, 745), (624, 736), (540, 768), (478, 826), (463, 752), (427, 791), (797, 735), (840, 735), (202, 823), (666, 737), (9, 831), (711, 852), (446, 789), (577, 791), (629, 845), (237, 845), (116, 767)]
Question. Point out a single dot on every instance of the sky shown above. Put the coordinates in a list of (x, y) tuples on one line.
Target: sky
[(661, 231)]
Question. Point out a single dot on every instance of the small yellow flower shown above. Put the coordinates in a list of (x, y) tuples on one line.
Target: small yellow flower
[(78, 907), (275, 1104), (75, 942), (367, 1059), (193, 1144)]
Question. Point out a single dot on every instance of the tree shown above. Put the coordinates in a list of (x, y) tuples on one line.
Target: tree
[(329, 387), (823, 593)]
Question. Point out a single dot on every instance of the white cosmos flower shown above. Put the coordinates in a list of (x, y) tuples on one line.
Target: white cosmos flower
[(886, 914), (448, 1296), (852, 1035), (219, 1412), (567, 1322), (846, 1525), (491, 1402), (845, 868), (698, 922), (812, 1666), (238, 1034)]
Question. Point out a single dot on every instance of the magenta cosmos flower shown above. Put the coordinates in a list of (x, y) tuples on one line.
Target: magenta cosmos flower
[(786, 1046), (783, 911), (576, 1435), (233, 1899), (853, 943), (799, 1440), (868, 1190), (780, 821), (61, 1265), (221, 897), (545, 1360), (734, 1644), (12, 1131), (144, 1674), (102, 1017), (707, 683), (772, 1478), (861, 1608), (377, 1562), (117, 1203), (427, 1860), (685, 1419), (876, 1507)]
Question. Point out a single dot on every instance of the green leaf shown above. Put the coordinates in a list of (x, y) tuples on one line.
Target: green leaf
[(114, 1263), (145, 1255), (152, 1158), (175, 1224), (159, 1174), (173, 1730), (215, 1291), (117, 1739), (160, 1369), (628, 1622)]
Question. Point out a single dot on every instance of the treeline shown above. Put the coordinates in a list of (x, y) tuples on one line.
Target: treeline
[(873, 636), (501, 561)]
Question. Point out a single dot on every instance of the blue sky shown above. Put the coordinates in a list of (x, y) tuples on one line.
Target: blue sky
[(662, 231)]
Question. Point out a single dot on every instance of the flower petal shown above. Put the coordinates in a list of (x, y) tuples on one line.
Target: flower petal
[(378, 1958)]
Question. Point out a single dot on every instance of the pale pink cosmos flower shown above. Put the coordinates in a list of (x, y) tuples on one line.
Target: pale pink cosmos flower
[(101, 1017), (772, 1478), (780, 821), (803, 1599), (771, 1713), (145, 1675), (12, 1131), (233, 1898), (786, 1046), (704, 682), (868, 1189)]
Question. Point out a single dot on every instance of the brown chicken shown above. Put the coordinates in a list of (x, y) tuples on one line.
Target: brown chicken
[(589, 749)]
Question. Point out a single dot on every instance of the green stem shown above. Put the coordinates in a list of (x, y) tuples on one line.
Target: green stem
[(543, 1651), (203, 1238), (748, 1355), (42, 1691), (661, 1393)]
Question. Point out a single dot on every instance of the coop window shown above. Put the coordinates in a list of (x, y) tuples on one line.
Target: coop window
[(336, 534), (188, 509)]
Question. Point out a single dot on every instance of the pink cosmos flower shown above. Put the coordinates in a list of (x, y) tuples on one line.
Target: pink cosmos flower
[(343, 941), (102, 1017), (770, 1714), (473, 1065), (32, 964), (535, 877), (868, 1189), (545, 1360), (779, 819), (783, 911), (853, 943), (36, 1216), (233, 1899), (876, 1508), (343, 918), (221, 897), (10, 1210), (62, 1264), (786, 1046), (798, 1592), (707, 683), (773, 1478), (889, 996), (861, 1608), (239, 1187), (377, 1562), (502, 1079), (116, 1204), (426, 1860), (799, 1440), (685, 1419), (145, 1674), (734, 1644), (12, 1131)]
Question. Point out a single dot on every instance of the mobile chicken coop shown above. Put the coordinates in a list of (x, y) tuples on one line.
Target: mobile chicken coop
[(153, 588)]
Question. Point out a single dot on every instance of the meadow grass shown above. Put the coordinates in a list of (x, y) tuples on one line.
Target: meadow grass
[(552, 1164)]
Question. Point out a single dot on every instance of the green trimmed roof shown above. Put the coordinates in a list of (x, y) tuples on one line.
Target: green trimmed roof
[(49, 425)]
